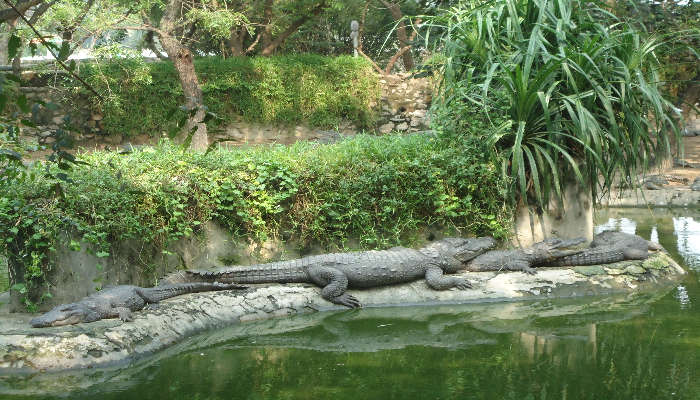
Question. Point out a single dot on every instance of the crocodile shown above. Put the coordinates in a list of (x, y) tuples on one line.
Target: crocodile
[(524, 259), (336, 272), (609, 247), (119, 301)]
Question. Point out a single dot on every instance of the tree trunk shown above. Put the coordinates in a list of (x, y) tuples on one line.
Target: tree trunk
[(184, 65), (235, 40), (8, 30), (401, 34), (266, 33)]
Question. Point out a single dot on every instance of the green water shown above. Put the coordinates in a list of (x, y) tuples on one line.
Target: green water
[(616, 347)]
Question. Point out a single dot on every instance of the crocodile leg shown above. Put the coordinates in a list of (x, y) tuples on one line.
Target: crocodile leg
[(334, 283), (520, 265), (123, 313), (435, 278)]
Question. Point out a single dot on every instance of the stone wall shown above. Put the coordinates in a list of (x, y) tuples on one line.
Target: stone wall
[(405, 103), (403, 107)]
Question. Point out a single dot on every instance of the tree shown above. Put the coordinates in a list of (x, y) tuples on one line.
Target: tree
[(181, 56)]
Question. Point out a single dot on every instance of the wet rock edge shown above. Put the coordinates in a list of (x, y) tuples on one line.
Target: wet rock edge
[(111, 342)]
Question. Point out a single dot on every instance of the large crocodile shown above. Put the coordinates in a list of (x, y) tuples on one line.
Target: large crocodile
[(119, 301), (338, 271), (609, 247), (524, 259)]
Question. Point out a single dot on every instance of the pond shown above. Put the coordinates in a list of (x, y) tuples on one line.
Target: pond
[(615, 347)]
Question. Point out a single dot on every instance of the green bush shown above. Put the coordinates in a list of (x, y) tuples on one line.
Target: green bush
[(377, 190), (322, 91)]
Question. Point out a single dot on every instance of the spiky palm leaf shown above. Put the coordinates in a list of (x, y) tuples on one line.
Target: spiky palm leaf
[(580, 87)]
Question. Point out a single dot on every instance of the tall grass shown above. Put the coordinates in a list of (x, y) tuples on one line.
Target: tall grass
[(578, 88)]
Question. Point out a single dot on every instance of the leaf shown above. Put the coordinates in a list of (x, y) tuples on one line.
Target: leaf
[(64, 51), (23, 104), (19, 287), (10, 153), (13, 45)]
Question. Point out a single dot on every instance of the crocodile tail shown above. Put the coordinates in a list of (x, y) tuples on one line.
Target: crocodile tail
[(590, 257), (277, 272), (158, 293), (176, 277)]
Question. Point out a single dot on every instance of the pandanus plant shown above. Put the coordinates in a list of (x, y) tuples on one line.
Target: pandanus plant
[(579, 89)]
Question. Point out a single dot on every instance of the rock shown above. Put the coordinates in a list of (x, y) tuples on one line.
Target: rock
[(96, 117), (113, 139), (614, 271), (590, 270), (418, 114), (402, 127), (696, 184), (661, 261), (656, 180), (635, 270), (386, 128), (651, 186), (689, 132), (327, 137), (397, 118)]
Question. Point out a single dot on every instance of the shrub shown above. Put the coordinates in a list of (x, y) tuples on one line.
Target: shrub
[(142, 97)]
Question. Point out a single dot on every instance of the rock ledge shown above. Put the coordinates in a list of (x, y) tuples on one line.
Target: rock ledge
[(109, 342)]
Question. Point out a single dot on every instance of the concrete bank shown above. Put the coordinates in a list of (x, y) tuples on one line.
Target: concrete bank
[(110, 342), (666, 197)]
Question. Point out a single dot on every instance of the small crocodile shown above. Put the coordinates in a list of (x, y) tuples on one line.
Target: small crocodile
[(524, 259), (609, 247), (337, 271), (119, 301)]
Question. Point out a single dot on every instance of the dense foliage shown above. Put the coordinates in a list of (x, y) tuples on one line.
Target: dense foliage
[(322, 91), (377, 190), (678, 24), (579, 90)]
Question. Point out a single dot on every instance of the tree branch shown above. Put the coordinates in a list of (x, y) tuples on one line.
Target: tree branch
[(374, 64), (18, 9), (292, 28), (48, 47)]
